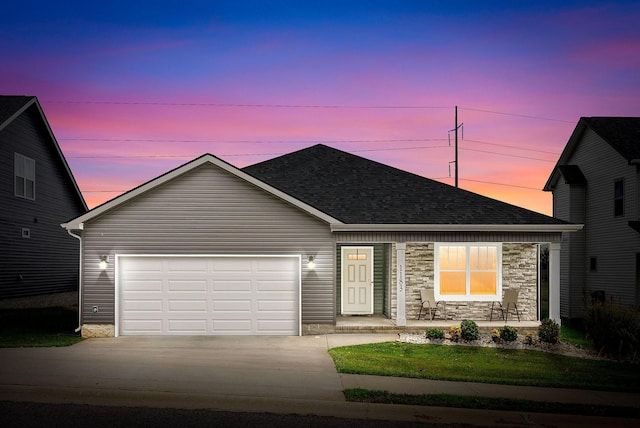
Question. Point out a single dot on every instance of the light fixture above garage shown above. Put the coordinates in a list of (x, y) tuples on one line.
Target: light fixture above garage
[(311, 265), (104, 262)]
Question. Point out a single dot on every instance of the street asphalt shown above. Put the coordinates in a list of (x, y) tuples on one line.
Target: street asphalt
[(274, 375)]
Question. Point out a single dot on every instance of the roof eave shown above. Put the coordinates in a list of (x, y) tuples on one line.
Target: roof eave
[(456, 227)]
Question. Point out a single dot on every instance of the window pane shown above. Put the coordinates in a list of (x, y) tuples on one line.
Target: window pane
[(30, 189), (483, 283), (19, 186), (453, 258), (30, 169), (453, 283)]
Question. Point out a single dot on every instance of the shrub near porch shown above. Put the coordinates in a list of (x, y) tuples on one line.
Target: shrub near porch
[(519, 270)]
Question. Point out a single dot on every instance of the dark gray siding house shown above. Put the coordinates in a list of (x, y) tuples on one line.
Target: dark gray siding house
[(596, 182), (289, 245), (37, 192)]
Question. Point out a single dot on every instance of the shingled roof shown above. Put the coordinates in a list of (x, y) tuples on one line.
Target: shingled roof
[(622, 133), (10, 106), (356, 190)]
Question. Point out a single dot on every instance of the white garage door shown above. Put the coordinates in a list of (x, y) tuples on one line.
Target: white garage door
[(174, 295)]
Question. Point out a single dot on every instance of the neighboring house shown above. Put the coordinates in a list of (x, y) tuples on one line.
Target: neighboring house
[(288, 245), (37, 192), (596, 182)]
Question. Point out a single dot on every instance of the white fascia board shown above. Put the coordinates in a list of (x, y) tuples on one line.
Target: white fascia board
[(208, 158), (456, 227)]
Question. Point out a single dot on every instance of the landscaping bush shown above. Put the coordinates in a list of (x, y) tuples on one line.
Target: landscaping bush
[(528, 339), (615, 331), (435, 333), (454, 333), (508, 334), (495, 335), (469, 330), (549, 331)]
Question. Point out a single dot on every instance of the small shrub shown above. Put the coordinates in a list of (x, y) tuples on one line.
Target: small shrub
[(495, 335), (469, 330), (614, 331), (435, 333), (454, 333), (528, 339), (508, 334), (549, 331)]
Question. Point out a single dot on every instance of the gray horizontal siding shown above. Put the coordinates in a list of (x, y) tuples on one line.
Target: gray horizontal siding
[(47, 262), (209, 211), (608, 238)]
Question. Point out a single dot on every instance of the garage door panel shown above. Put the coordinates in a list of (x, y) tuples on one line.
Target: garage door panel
[(231, 305), (209, 295), (232, 285), (181, 285), (142, 305), (195, 326), (187, 305), (232, 326), (142, 285), (143, 326)]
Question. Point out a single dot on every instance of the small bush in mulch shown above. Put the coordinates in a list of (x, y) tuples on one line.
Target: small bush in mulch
[(469, 330), (434, 333), (549, 331), (509, 334)]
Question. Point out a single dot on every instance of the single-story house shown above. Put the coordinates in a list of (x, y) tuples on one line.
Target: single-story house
[(286, 246), (38, 259)]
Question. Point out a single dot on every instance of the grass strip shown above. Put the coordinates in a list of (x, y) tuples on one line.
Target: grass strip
[(22, 328), (487, 403), (486, 365)]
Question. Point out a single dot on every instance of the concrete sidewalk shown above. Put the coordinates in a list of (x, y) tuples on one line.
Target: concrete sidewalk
[(285, 375)]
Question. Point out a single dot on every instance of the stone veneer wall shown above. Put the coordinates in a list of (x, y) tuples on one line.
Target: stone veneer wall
[(98, 330), (519, 270)]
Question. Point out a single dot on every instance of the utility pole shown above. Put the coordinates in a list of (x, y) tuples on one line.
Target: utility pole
[(457, 126)]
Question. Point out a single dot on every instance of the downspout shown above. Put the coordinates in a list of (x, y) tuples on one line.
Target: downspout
[(79, 282)]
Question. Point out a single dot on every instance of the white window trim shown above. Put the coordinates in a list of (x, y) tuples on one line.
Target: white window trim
[(468, 297), (24, 160)]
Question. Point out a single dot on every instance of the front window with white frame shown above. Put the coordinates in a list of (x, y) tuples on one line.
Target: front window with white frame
[(468, 271), (25, 177)]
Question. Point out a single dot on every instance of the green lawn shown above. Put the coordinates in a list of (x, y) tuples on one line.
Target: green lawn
[(489, 403), (38, 327), (487, 365)]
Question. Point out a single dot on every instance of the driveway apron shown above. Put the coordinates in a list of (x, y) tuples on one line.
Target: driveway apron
[(271, 367)]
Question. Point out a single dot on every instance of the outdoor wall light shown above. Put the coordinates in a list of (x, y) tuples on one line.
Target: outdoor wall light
[(104, 262), (311, 264)]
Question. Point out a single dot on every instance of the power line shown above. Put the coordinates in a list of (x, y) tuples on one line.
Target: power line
[(308, 106), (506, 154), (153, 140), (513, 147), (240, 154), (518, 115), (493, 183)]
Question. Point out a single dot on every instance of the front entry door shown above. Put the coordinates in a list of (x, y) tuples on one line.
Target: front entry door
[(357, 280)]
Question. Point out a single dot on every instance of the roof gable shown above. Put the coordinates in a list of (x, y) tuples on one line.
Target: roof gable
[(11, 107), (77, 223), (356, 190), (621, 133)]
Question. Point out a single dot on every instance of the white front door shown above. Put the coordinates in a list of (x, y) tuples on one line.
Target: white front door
[(357, 280)]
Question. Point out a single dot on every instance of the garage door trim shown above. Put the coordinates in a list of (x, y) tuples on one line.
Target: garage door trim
[(118, 292)]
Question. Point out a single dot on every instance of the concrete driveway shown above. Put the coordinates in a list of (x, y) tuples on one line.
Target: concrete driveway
[(226, 373)]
